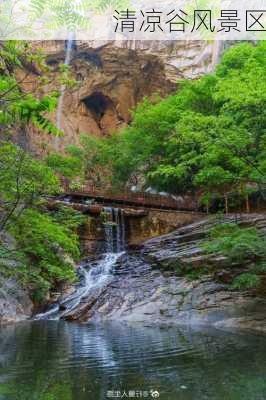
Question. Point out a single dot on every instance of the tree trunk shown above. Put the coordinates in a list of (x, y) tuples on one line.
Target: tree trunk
[(247, 204), (226, 203)]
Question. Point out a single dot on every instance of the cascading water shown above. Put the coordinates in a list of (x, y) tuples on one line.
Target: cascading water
[(114, 227), (94, 279), (69, 47), (120, 229), (109, 229)]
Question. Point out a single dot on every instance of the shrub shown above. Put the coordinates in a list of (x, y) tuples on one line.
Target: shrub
[(246, 280), (46, 250), (236, 243)]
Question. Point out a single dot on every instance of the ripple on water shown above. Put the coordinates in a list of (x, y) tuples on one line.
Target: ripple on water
[(69, 361)]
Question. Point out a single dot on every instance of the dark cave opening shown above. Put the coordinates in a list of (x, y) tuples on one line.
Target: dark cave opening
[(97, 104)]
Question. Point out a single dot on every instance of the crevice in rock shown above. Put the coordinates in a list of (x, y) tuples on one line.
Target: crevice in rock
[(103, 111), (97, 104)]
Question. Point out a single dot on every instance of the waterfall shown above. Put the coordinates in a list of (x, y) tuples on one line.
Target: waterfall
[(69, 47), (120, 229), (94, 276), (114, 228), (109, 230)]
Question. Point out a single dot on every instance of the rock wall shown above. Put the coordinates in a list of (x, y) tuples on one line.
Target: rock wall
[(149, 287), (156, 223), (113, 77), (15, 303), (139, 226)]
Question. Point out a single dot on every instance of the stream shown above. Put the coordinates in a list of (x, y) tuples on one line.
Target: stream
[(57, 360), (94, 275), (50, 358)]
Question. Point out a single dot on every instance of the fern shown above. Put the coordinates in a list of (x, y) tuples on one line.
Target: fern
[(37, 7), (72, 14)]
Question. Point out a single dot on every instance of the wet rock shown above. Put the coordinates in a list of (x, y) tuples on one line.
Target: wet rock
[(255, 322), (139, 289), (15, 303), (140, 292), (182, 248)]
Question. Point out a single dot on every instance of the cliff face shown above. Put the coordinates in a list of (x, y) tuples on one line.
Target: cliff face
[(113, 77), (15, 303), (172, 280)]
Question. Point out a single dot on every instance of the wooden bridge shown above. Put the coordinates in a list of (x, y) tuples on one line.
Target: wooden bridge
[(135, 199)]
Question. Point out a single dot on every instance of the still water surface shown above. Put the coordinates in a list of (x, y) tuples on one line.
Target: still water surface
[(54, 360)]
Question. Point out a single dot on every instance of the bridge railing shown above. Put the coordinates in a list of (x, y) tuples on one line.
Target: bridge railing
[(139, 198)]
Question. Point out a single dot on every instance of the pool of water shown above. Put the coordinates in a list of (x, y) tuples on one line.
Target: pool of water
[(55, 360)]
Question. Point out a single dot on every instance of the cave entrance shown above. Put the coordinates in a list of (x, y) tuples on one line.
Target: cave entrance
[(97, 104), (103, 111)]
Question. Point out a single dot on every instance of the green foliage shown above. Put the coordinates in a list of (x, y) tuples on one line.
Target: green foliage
[(64, 13), (90, 161), (45, 244), (18, 106), (104, 217), (209, 136), (193, 273), (259, 267), (66, 165), (236, 243), (68, 217), (10, 56), (71, 14), (246, 281), (46, 247), (243, 246), (23, 182)]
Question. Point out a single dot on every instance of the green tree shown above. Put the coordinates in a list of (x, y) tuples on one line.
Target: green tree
[(42, 254), (209, 137), (24, 182), (45, 251), (45, 243), (19, 108)]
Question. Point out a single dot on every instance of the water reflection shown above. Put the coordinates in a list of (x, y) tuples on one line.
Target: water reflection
[(51, 360)]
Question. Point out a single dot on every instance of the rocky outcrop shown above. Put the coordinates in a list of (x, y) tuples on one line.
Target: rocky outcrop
[(182, 249), (181, 59), (158, 298), (15, 303), (113, 77), (140, 223), (111, 81), (141, 292), (158, 222)]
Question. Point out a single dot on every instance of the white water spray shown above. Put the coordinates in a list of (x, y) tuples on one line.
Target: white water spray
[(69, 47), (96, 277)]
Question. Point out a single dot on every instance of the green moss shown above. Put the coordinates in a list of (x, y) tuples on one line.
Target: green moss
[(246, 280), (196, 273)]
